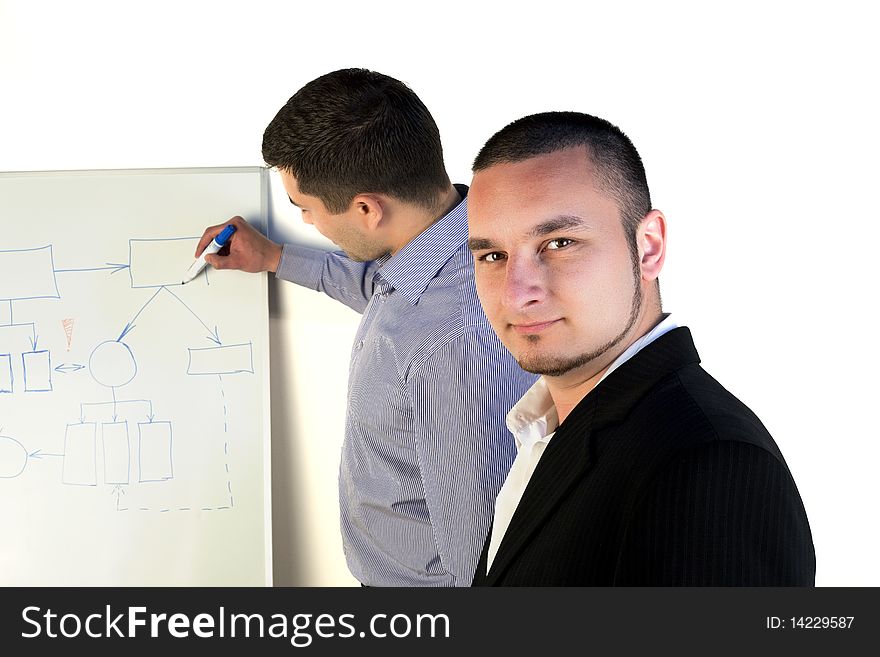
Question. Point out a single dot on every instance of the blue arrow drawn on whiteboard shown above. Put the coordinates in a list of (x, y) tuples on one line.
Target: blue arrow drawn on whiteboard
[(117, 491), (215, 335), (66, 368), (115, 266), (40, 454), (130, 325)]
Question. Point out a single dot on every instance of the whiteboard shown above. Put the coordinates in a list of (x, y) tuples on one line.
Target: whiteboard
[(134, 411)]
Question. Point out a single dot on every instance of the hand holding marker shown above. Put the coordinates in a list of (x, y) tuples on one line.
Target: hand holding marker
[(199, 264)]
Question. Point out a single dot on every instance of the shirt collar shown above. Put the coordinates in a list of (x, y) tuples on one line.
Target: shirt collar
[(534, 416), (665, 325), (411, 269)]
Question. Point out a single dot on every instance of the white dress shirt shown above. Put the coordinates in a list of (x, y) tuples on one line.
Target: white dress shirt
[(533, 420)]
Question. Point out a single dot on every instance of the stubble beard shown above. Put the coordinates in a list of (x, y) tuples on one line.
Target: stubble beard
[(559, 365), (360, 250)]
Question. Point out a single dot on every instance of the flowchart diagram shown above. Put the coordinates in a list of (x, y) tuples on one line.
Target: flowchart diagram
[(134, 410), (117, 442)]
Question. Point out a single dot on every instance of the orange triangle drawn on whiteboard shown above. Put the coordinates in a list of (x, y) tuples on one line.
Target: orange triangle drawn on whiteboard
[(68, 330)]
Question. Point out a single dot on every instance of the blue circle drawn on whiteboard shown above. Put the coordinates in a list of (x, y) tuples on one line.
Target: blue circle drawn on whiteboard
[(13, 458), (112, 364)]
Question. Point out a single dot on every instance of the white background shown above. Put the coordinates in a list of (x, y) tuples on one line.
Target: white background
[(757, 123)]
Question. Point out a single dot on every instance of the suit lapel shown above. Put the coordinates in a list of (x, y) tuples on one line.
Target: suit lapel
[(563, 463), (569, 455), (625, 386)]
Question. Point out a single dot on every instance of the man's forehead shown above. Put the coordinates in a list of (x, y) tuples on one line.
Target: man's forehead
[(546, 199), (536, 181), (289, 180), (291, 186), (572, 161)]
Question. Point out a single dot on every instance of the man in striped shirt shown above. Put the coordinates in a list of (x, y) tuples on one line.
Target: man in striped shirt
[(426, 448)]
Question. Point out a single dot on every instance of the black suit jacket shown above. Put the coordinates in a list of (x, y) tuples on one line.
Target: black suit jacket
[(658, 477)]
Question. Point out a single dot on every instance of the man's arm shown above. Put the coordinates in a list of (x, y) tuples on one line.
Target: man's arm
[(725, 513), (332, 273), (460, 397)]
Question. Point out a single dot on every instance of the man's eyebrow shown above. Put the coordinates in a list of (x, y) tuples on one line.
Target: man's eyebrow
[(480, 243), (292, 201), (562, 222)]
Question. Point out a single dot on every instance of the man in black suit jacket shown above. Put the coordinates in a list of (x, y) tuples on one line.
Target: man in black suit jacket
[(634, 466)]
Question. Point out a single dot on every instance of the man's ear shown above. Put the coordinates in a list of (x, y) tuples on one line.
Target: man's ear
[(651, 240), (368, 210)]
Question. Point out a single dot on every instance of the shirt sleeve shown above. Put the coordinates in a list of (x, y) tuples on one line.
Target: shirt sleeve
[(460, 396), (725, 513), (332, 273)]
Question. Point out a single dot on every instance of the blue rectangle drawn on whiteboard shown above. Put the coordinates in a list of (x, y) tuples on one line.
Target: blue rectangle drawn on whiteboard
[(154, 451), (160, 262), (80, 460), (27, 274), (6, 373), (117, 453), (37, 371), (225, 359)]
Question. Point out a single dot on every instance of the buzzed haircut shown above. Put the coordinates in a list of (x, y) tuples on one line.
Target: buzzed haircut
[(355, 131), (619, 169)]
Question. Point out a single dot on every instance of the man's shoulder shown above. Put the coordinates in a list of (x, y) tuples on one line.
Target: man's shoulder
[(448, 309), (689, 418), (689, 407), (457, 347), (454, 283), (447, 327)]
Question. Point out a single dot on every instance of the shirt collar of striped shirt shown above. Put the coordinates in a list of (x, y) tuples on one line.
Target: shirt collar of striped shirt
[(411, 269)]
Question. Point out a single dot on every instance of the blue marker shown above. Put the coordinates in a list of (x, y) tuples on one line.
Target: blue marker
[(216, 244)]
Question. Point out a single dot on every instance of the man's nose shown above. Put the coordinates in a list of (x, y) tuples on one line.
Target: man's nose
[(524, 282)]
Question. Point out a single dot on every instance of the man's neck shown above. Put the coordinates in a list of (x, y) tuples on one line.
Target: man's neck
[(412, 221), (568, 390)]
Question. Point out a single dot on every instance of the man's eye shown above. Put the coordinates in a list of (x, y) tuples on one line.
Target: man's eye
[(558, 243), (492, 257)]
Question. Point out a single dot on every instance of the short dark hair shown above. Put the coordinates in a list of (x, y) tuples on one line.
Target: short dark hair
[(619, 169), (356, 131)]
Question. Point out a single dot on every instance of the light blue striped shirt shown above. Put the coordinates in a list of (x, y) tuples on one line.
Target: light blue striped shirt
[(426, 448)]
